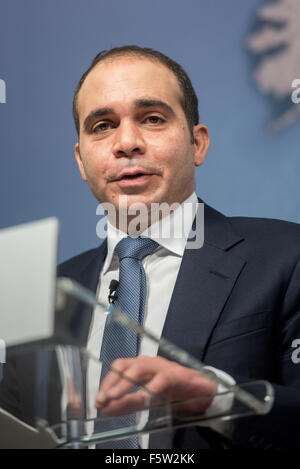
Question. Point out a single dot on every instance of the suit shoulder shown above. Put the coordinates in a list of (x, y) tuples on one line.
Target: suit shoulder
[(267, 224), (268, 230)]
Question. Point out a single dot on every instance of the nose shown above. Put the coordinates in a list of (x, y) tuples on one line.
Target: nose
[(128, 141)]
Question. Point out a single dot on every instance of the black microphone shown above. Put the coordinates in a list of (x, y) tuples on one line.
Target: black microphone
[(112, 291)]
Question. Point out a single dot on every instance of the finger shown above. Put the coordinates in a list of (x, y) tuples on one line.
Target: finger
[(141, 371), (180, 382), (134, 375), (111, 379), (126, 405), (136, 370), (115, 373), (74, 399)]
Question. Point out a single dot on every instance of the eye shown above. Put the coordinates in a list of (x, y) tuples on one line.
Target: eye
[(154, 120), (102, 127)]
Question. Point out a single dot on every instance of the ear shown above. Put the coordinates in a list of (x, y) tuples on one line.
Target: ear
[(79, 161), (201, 143)]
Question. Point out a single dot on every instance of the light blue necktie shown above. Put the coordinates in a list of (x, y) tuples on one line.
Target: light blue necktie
[(119, 342)]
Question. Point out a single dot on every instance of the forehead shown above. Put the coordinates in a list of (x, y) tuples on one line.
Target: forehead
[(120, 81)]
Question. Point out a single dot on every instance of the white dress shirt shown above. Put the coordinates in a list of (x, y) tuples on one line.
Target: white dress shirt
[(161, 269)]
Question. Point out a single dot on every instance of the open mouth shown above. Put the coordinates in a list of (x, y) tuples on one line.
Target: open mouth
[(134, 178)]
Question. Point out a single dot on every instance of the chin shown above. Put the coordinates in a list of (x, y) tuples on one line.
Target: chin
[(126, 201)]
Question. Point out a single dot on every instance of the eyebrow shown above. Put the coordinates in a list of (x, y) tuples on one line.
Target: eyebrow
[(103, 111), (138, 104)]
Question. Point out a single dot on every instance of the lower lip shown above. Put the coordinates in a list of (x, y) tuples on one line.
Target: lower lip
[(135, 182)]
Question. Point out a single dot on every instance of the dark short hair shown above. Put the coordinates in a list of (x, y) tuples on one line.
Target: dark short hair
[(189, 100)]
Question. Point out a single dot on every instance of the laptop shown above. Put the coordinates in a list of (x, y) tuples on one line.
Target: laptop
[(28, 256)]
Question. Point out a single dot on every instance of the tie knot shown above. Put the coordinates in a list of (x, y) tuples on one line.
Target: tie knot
[(136, 248)]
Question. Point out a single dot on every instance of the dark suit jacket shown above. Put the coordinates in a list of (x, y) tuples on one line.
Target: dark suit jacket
[(235, 306)]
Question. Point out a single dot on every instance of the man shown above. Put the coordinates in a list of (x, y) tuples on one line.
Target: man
[(233, 303), (129, 123)]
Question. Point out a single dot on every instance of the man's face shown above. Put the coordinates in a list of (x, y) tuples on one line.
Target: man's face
[(134, 137)]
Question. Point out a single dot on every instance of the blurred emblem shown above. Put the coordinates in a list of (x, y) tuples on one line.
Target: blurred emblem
[(275, 43)]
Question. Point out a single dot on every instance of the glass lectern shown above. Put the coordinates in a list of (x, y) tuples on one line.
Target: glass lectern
[(48, 390)]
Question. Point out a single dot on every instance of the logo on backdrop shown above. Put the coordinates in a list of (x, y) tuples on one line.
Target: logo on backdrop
[(2, 91), (275, 45)]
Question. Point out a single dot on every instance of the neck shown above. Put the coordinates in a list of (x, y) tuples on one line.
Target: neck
[(135, 219)]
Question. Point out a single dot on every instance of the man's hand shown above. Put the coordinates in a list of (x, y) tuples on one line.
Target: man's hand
[(162, 377)]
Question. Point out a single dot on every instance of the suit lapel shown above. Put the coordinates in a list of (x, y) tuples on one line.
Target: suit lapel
[(204, 283), (85, 270), (89, 273)]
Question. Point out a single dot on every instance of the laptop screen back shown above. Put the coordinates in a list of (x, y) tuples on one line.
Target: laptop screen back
[(28, 255)]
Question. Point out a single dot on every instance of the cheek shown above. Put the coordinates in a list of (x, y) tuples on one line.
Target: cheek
[(176, 158), (94, 164), (167, 152)]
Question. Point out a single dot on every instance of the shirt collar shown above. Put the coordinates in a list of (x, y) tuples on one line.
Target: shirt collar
[(178, 224)]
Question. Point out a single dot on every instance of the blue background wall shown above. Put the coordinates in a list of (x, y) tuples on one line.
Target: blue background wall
[(45, 45)]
